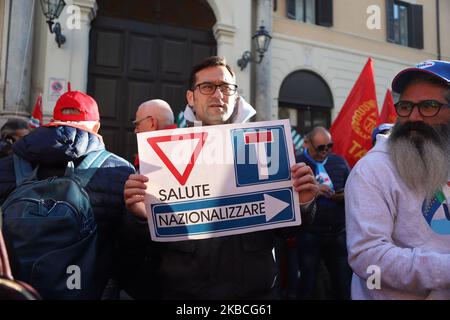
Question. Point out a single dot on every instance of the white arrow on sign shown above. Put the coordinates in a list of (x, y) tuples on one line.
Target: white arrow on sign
[(273, 206)]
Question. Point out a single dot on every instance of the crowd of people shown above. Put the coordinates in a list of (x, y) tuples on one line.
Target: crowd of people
[(386, 220)]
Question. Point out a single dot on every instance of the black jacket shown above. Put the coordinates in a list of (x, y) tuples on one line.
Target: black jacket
[(5, 147), (52, 148), (230, 267), (330, 215)]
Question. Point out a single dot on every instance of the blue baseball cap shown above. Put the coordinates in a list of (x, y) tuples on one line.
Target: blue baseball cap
[(437, 68), (382, 128)]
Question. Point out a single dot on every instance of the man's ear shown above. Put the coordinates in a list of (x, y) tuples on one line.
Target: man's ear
[(190, 97), (155, 123), (306, 143), (96, 127)]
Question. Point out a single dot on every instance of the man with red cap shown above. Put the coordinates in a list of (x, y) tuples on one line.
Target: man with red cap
[(70, 137), (78, 110), (397, 197)]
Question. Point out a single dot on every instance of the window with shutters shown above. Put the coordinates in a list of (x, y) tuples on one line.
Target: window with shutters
[(401, 24), (304, 11), (318, 12), (404, 23)]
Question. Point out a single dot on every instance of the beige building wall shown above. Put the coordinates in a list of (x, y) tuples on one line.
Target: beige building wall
[(350, 31), (339, 68), (339, 53), (233, 32), (444, 9)]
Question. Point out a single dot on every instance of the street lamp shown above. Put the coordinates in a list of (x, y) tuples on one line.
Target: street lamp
[(52, 9), (262, 40)]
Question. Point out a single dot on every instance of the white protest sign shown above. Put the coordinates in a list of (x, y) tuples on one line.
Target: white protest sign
[(220, 180)]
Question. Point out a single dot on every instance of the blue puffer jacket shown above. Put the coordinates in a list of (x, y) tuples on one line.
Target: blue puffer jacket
[(52, 148)]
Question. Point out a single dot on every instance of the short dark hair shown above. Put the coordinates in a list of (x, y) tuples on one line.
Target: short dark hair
[(213, 61), (12, 125)]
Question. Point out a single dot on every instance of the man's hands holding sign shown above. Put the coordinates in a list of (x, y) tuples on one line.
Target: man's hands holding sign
[(134, 194), (304, 183)]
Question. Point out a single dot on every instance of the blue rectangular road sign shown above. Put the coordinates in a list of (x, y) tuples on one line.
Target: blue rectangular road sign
[(223, 214), (268, 149)]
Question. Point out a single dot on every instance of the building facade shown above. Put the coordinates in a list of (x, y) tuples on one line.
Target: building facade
[(325, 44), (126, 52)]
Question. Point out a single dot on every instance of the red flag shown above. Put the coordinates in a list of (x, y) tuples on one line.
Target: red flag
[(352, 129), (388, 114), (36, 119)]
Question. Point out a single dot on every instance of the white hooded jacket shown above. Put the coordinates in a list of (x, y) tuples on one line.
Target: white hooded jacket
[(388, 237), (242, 113)]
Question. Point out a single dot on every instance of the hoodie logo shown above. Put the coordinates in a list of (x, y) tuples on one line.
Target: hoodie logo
[(437, 213)]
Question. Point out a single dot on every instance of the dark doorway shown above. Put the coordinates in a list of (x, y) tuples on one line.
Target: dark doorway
[(306, 100), (141, 50)]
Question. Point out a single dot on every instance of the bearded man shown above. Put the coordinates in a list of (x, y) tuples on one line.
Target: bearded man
[(397, 196)]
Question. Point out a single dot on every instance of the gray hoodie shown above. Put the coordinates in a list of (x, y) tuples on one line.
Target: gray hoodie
[(387, 231)]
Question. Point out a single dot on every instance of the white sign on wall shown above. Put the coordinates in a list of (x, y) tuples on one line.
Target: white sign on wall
[(56, 88)]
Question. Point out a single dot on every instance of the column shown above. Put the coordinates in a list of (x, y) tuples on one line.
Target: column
[(80, 49), (263, 90), (18, 58), (4, 21)]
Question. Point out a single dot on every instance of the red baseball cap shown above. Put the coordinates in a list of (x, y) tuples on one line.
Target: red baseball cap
[(85, 105)]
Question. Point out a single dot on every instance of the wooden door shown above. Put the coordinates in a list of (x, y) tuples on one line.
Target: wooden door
[(131, 62)]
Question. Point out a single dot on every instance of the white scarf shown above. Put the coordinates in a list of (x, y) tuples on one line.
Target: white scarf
[(243, 113)]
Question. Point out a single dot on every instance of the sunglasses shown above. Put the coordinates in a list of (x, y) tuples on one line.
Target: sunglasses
[(323, 147)]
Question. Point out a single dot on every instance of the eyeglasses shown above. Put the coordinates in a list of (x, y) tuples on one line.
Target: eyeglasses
[(137, 122), (209, 88), (323, 147), (427, 108)]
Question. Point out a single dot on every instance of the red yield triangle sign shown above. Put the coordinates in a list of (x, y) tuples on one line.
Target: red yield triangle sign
[(182, 178)]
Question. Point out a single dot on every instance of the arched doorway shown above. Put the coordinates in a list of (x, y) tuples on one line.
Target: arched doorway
[(306, 100), (141, 50)]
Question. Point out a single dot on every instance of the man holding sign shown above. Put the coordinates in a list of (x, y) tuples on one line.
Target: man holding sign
[(238, 266)]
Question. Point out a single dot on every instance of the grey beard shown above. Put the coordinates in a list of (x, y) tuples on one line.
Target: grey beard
[(421, 163)]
